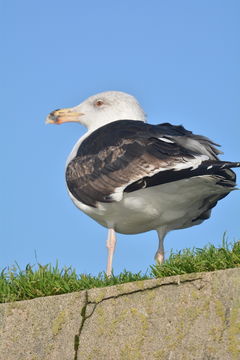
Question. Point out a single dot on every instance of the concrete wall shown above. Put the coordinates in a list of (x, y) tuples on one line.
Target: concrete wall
[(188, 317)]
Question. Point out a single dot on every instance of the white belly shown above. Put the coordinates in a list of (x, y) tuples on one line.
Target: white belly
[(172, 205)]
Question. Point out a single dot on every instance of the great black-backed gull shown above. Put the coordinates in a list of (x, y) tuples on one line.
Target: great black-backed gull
[(132, 177)]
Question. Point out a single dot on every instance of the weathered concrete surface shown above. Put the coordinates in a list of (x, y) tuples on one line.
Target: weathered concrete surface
[(43, 328), (189, 317)]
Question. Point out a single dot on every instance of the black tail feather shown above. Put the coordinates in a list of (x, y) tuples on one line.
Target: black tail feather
[(221, 169)]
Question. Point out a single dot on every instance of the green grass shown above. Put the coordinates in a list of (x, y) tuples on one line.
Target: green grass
[(36, 281), (209, 258)]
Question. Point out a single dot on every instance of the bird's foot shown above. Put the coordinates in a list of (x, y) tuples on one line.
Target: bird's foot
[(159, 257)]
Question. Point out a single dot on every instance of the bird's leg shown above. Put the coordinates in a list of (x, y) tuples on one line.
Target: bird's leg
[(111, 243), (159, 256)]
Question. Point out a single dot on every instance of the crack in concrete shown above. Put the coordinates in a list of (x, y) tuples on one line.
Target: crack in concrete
[(226, 322), (147, 289), (87, 302), (77, 336)]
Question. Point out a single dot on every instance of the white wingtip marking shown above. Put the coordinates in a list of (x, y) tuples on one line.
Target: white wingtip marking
[(166, 140)]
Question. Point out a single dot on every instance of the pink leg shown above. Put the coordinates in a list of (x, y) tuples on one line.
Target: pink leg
[(111, 243), (159, 257)]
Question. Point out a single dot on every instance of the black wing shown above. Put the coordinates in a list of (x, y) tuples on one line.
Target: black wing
[(128, 155)]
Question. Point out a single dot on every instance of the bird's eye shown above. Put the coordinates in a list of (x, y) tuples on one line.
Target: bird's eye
[(99, 103)]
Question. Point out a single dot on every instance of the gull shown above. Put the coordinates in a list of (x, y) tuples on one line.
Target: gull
[(133, 177)]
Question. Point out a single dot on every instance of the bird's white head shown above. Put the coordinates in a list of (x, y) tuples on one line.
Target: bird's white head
[(100, 109)]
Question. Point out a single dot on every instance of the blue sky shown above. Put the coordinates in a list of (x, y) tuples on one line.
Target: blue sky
[(179, 58)]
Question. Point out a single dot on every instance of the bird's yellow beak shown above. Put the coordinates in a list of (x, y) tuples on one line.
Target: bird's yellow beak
[(63, 115)]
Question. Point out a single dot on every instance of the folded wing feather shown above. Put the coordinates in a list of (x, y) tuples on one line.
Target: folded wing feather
[(128, 155)]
